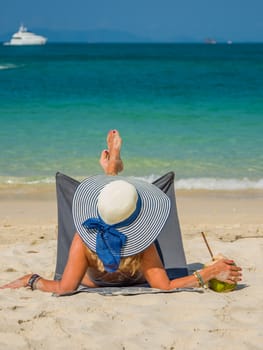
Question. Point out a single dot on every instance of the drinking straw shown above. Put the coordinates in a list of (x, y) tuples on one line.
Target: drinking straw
[(208, 247)]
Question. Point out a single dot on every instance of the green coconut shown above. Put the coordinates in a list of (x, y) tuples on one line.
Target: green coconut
[(221, 287), (216, 285)]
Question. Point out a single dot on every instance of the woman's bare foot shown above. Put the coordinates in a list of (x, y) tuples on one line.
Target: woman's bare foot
[(110, 159)]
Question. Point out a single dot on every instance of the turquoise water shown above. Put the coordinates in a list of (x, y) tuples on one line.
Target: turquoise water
[(193, 109)]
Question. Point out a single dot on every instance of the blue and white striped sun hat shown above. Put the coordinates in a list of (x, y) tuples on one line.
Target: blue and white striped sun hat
[(140, 230)]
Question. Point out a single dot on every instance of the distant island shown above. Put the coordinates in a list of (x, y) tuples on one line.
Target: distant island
[(210, 41), (89, 36), (100, 36), (111, 36)]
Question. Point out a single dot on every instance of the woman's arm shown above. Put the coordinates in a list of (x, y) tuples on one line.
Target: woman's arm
[(155, 274), (75, 269)]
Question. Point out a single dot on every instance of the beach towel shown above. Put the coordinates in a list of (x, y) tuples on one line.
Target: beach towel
[(169, 243)]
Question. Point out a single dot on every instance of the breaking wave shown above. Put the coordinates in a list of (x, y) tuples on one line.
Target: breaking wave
[(8, 66), (218, 184), (204, 183)]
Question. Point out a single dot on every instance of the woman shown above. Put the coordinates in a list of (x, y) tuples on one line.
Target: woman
[(118, 219)]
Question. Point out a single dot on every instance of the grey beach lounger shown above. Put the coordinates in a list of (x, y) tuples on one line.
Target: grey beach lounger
[(169, 242)]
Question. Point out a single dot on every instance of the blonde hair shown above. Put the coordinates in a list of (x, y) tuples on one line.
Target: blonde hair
[(130, 264)]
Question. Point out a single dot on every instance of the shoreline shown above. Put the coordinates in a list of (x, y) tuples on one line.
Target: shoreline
[(210, 184), (48, 190)]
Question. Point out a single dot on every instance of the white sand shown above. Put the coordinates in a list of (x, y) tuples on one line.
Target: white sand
[(35, 320)]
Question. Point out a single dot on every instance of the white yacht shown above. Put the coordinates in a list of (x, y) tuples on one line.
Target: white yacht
[(23, 37)]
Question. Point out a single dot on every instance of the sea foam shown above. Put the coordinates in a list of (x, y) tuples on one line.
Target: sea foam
[(213, 184), (204, 183), (7, 66), (218, 184)]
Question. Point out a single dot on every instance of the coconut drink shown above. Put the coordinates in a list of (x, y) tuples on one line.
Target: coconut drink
[(216, 285)]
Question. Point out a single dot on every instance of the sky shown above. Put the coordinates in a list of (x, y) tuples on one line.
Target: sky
[(157, 20)]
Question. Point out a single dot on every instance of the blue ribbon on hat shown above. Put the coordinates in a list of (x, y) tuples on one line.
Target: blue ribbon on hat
[(109, 240)]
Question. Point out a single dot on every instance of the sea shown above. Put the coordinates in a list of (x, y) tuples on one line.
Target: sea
[(195, 109)]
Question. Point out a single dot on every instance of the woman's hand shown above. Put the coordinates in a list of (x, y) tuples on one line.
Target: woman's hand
[(19, 283), (225, 270)]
